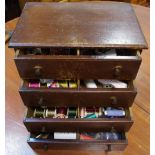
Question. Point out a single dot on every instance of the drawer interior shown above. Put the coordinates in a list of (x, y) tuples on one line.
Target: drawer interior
[(80, 113), (99, 84), (108, 141), (78, 92), (84, 119), (84, 136), (123, 64), (88, 52)]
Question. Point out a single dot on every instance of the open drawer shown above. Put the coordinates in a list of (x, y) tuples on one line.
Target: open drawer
[(78, 143), (48, 124), (80, 96), (78, 64)]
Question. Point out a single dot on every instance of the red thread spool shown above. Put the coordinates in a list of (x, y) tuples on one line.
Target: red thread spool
[(62, 110)]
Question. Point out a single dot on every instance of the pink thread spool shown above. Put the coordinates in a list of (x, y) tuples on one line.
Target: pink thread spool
[(34, 85)]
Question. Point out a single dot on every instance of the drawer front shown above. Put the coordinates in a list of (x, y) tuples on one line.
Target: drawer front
[(32, 67), (78, 145), (35, 125), (51, 97)]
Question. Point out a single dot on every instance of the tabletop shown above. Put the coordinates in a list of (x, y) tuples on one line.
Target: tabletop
[(138, 136)]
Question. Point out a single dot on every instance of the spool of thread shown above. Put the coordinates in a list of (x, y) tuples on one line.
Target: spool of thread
[(63, 84), (50, 113), (82, 112), (91, 116), (61, 112), (65, 135), (88, 136), (44, 81), (53, 84), (85, 137), (71, 112), (114, 113), (72, 84), (100, 113), (39, 113), (90, 84), (92, 110), (60, 116), (34, 85)]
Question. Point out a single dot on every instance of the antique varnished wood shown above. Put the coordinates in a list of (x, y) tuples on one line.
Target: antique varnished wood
[(37, 125), (113, 145), (15, 109), (109, 26), (115, 97), (97, 24), (77, 67)]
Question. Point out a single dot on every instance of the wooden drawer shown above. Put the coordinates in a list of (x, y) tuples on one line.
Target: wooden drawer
[(81, 96), (36, 125), (109, 145), (78, 66)]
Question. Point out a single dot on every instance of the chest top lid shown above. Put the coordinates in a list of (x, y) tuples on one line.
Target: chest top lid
[(86, 24)]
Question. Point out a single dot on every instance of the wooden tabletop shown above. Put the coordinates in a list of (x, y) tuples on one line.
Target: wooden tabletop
[(88, 24), (138, 136)]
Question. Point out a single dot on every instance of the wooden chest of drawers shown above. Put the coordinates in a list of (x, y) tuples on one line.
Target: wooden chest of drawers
[(78, 42)]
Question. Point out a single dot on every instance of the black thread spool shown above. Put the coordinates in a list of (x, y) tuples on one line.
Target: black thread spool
[(72, 112)]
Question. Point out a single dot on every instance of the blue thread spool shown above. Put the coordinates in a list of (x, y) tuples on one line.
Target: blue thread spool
[(114, 113)]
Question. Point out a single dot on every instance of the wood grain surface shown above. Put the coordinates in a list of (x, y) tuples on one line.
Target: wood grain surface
[(140, 2), (87, 24), (138, 136)]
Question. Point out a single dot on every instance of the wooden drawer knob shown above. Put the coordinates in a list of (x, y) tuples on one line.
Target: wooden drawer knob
[(117, 71), (38, 70), (113, 99)]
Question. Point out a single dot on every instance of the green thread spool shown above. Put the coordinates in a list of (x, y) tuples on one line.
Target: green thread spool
[(71, 112), (90, 116)]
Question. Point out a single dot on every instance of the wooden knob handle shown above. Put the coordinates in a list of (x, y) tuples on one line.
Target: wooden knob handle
[(113, 100), (117, 70)]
